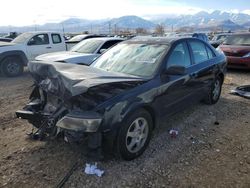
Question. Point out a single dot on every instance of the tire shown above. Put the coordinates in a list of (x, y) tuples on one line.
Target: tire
[(12, 66), (214, 92), (134, 135)]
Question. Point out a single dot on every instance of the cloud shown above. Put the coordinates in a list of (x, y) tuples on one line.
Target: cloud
[(28, 12), (246, 11), (42, 11)]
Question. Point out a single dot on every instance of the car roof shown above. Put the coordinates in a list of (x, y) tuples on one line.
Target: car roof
[(37, 32), (157, 40), (220, 34), (240, 34), (106, 38)]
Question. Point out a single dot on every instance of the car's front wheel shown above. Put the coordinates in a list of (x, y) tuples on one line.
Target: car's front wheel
[(12, 66), (214, 92), (134, 135)]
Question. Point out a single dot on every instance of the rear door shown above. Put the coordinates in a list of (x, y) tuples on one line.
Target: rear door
[(57, 43), (203, 67)]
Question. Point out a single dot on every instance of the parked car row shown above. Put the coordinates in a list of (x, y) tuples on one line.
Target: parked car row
[(236, 47), (78, 38), (119, 99), (83, 53), (219, 39), (15, 55)]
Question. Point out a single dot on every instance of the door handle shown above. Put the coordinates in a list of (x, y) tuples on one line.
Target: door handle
[(48, 47)]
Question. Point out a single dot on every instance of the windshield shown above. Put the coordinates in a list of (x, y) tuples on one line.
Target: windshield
[(87, 46), (77, 38), (243, 40), (134, 59), (219, 37), (22, 38)]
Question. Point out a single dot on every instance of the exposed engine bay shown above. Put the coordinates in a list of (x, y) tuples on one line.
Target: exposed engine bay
[(62, 103)]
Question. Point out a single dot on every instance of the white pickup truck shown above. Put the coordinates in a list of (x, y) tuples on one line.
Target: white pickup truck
[(16, 54)]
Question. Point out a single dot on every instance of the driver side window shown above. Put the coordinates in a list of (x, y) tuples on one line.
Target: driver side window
[(40, 39), (179, 56)]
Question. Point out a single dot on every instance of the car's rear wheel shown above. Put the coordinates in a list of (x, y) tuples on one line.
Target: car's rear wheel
[(134, 135), (12, 66), (214, 92)]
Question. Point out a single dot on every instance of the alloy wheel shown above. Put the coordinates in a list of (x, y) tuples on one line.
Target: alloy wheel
[(137, 134)]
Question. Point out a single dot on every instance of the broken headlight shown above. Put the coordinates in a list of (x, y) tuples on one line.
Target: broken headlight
[(80, 121)]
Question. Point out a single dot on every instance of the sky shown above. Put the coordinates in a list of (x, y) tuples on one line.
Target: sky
[(30, 12)]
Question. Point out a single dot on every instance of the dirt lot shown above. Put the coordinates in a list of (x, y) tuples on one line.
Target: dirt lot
[(212, 149)]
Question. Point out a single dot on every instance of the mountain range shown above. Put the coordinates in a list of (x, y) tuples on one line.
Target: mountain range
[(202, 21)]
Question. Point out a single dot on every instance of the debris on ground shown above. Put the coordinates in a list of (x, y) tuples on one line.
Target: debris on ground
[(93, 170), (228, 80), (217, 123), (173, 133), (175, 164), (243, 91), (67, 176), (196, 140)]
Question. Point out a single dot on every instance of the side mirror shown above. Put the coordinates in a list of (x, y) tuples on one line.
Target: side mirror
[(175, 70), (103, 51)]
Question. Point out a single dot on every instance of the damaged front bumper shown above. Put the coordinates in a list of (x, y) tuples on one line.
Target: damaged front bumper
[(73, 121)]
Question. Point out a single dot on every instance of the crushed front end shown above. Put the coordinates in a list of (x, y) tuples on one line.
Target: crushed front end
[(65, 98)]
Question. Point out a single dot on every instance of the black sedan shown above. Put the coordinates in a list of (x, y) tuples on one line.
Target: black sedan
[(124, 94), (3, 39)]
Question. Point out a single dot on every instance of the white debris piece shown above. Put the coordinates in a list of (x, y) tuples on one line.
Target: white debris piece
[(173, 133), (93, 170)]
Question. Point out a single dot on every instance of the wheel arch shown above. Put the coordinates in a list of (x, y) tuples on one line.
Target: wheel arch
[(145, 107), (15, 53), (221, 76)]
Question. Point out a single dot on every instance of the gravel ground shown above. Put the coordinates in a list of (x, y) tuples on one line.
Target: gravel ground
[(211, 150)]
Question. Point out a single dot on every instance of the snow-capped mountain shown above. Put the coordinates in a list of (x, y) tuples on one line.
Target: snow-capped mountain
[(204, 19), (132, 22), (201, 20)]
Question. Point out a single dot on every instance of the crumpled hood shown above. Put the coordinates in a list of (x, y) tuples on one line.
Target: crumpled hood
[(68, 80), (67, 56), (2, 44)]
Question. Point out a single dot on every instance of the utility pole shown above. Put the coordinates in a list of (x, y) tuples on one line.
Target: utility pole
[(115, 29), (110, 28), (63, 28), (35, 26)]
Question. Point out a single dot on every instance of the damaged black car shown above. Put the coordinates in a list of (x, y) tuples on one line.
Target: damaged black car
[(124, 94)]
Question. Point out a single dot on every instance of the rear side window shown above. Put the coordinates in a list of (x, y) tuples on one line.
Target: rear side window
[(56, 38), (179, 56), (199, 51), (210, 53), (109, 44)]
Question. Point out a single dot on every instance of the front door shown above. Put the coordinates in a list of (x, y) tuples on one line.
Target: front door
[(37, 45), (176, 89)]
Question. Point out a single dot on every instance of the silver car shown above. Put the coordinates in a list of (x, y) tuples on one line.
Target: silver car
[(84, 52)]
